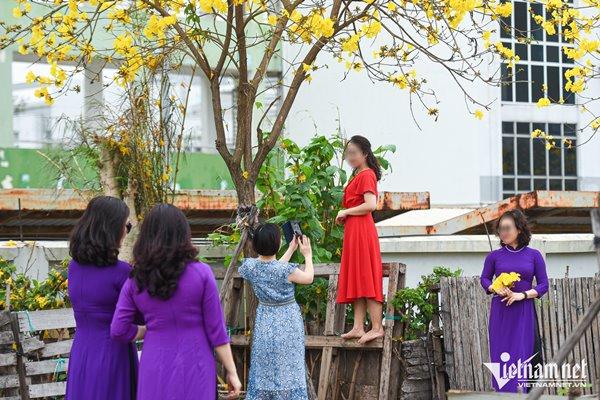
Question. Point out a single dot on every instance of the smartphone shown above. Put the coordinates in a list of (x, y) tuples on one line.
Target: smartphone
[(291, 230)]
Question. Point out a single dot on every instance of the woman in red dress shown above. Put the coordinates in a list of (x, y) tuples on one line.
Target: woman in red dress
[(361, 277)]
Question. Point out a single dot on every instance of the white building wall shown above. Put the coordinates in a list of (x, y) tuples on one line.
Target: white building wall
[(381, 112)]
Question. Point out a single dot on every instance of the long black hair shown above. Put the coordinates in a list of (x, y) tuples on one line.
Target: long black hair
[(96, 237), (162, 250), (520, 220), (365, 146)]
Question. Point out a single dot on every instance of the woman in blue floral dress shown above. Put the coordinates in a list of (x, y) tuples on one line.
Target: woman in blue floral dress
[(277, 365)]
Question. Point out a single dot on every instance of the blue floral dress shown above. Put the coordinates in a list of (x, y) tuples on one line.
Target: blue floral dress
[(277, 365)]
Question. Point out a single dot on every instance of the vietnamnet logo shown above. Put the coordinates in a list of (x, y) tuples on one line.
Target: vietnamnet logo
[(529, 375)]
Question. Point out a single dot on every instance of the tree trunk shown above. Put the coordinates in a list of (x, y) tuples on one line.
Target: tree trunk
[(126, 252), (247, 196), (108, 174)]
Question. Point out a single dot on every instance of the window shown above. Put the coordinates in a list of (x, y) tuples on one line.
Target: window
[(526, 163), (542, 60)]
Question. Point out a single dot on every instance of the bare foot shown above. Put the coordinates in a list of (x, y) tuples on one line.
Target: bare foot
[(353, 333), (372, 334)]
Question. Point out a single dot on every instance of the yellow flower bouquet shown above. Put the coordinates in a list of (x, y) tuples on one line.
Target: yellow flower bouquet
[(505, 280)]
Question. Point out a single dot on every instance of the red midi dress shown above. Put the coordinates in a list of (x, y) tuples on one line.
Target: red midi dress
[(361, 273)]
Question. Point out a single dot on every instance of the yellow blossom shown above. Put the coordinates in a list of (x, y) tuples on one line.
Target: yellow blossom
[(504, 9), (543, 102), (505, 280), (30, 77), (351, 44)]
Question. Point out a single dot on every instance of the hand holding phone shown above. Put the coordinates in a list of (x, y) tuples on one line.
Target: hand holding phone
[(291, 231)]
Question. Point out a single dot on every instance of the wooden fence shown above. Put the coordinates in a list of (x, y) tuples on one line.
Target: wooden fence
[(34, 346), (465, 312)]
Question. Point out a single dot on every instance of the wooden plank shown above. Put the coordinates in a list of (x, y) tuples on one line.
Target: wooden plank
[(46, 366), (537, 304), (465, 324), (327, 354), (398, 337), (474, 300), (30, 321), (545, 307), (446, 317), (588, 353), (438, 387), (54, 349), (47, 390), (386, 356), (460, 381), (548, 335), (9, 381), (4, 318), (550, 322), (467, 320), (560, 323), (8, 359), (31, 344), (484, 322), (6, 337), (574, 312), (318, 342)]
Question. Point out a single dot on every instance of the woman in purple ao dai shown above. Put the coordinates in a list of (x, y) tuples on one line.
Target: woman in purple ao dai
[(178, 298), (513, 331), (100, 368)]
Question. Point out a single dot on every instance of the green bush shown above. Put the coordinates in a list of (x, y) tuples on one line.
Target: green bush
[(415, 304)]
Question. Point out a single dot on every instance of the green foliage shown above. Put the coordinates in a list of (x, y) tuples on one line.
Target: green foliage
[(313, 300), (415, 304), (311, 192), (32, 294)]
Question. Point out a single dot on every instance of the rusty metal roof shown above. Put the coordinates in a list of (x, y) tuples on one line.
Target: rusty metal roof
[(50, 214), (546, 211)]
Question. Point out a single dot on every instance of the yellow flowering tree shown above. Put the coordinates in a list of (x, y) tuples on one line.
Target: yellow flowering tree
[(383, 38)]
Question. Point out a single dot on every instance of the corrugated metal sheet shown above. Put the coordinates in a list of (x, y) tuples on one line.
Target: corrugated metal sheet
[(47, 213), (547, 212)]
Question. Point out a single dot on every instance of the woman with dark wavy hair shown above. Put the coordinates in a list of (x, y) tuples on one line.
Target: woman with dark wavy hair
[(179, 299), (99, 368), (361, 274), (513, 330)]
